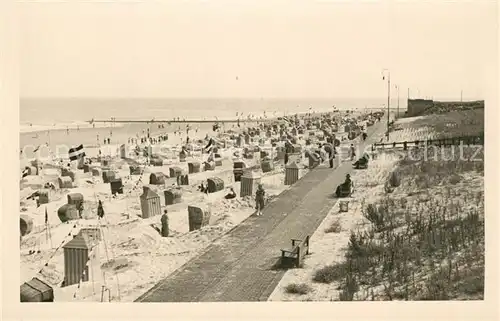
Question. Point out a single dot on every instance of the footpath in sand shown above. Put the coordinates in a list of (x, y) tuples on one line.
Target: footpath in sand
[(239, 266)]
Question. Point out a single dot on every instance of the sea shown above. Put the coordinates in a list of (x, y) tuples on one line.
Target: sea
[(65, 121)]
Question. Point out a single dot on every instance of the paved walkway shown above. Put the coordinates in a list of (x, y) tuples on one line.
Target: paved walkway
[(239, 266)]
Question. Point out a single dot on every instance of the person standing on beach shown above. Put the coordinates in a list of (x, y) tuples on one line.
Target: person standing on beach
[(353, 152), (259, 199), (329, 149)]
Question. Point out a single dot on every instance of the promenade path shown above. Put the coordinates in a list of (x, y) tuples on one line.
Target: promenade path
[(239, 265)]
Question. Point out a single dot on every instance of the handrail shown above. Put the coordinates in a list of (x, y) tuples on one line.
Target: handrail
[(468, 140)]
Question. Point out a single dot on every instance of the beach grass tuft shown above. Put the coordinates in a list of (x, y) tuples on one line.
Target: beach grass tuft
[(298, 288), (335, 227)]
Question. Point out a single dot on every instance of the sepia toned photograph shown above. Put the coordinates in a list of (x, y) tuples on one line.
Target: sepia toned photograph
[(217, 151)]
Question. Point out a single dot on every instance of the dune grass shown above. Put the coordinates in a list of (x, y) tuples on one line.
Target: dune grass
[(418, 248), (335, 227), (298, 288)]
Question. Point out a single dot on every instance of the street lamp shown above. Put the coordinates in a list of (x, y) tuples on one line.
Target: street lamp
[(384, 71), (397, 113)]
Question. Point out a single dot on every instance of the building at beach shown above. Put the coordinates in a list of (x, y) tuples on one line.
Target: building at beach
[(418, 106), (76, 258), (150, 203), (36, 290)]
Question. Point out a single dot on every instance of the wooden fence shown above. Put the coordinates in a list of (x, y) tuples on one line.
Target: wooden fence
[(449, 141)]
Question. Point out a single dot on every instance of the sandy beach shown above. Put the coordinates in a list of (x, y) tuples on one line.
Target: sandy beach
[(132, 255)]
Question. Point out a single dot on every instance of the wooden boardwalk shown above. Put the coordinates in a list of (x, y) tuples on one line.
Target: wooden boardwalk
[(240, 265)]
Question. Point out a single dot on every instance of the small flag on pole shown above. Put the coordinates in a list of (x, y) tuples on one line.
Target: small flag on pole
[(76, 153)]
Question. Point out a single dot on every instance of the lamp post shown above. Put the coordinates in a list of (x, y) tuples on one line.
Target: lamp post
[(384, 71), (397, 113)]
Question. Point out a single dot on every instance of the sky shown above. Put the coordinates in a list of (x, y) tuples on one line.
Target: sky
[(256, 49)]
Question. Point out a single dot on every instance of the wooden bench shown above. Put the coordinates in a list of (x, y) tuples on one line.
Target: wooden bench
[(294, 256)]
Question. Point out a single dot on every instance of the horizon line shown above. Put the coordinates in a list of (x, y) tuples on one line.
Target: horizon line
[(239, 98)]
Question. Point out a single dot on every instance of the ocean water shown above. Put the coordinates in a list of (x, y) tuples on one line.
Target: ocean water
[(65, 121)]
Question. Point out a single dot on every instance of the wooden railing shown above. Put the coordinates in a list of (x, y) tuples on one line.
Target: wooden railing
[(449, 141)]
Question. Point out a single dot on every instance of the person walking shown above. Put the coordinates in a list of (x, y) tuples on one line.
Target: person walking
[(259, 199), (330, 151), (165, 231), (353, 152)]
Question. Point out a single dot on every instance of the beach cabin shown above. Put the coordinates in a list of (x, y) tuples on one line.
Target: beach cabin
[(194, 167), (157, 178), (68, 212), (116, 185), (65, 172), (249, 182), (183, 179), (156, 161), (280, 153), (123, 151), (76, 258), (108, 176), (198, 217), (32, 170), (294, 157), (35, 290), (95, 171), (297, 148), (43, 196), (215, 184), (238, 167), (267, 165), (150, 203), (91, 234), (173, 196), (25, 224), (135, 170), (291, 173), (209, 166), (239, 141), (65, 182), (77, 200), (175, 171)]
